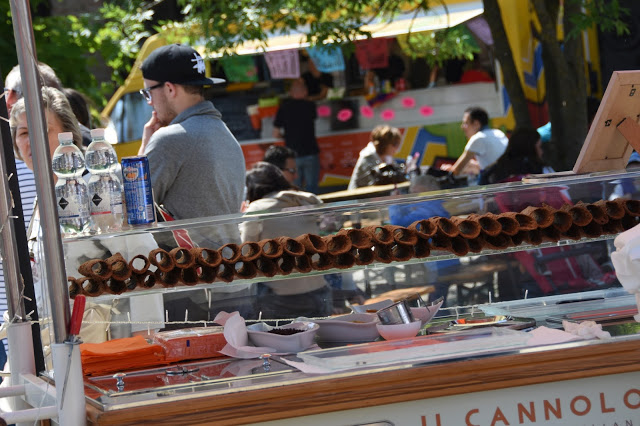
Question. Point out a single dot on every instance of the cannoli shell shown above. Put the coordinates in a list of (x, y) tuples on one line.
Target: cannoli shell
[(614, 210), (593, 229), (488, 222), (271, 249), (359, 237), (542, 215), (574, 232), (401, 252), (363, 256), (468, 228), (168, 278), (459, 246), (135, 261), (206, 257), (207, 274), (161, 259), (518, 238), (303, 263), (510, 226), (497, 242), (422, 248), (323, 261), (266, 266), (580, 215), (114, 286), (91, 287), (441, 242), (250, 251), (382, 253), (402, 235), (145, 280), (74, 287), (551, 233), (598, 213), (285, 264), (312, 243), (614, 226), (246, 270), (230, 253), (189, 276), (95, 268), (631, 207), (534, 237), (182, 257), (226, 272), (119, 267), (345, 260), (476, 245), (425, 228), (337, 244), (527, 223), (445, 226), (379, 235), (562, 220), (291, 246)]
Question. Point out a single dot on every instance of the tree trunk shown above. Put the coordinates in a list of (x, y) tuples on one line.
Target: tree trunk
[(565, 85), (509, 71)]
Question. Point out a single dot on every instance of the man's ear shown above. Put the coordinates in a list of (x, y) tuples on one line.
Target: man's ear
[(172, 89)]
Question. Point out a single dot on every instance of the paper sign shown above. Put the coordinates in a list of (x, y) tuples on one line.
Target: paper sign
[(372, 53), (283, 63), (327, 58)]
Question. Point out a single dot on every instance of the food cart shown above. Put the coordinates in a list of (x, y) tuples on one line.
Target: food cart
[(491, 373)]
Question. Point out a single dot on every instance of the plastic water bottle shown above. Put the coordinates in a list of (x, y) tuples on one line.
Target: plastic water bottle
[(72, 195), (105, 187)]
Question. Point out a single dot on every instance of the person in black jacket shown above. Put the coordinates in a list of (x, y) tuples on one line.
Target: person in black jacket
[(296, 119)]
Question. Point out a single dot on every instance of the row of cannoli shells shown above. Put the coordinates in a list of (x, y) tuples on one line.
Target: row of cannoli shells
[(533, 225), (349, 247)]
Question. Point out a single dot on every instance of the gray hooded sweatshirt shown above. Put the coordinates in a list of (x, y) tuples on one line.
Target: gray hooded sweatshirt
[(197, 165)]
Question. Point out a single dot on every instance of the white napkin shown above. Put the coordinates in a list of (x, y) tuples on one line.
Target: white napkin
[(235, 333), (586, 330), (626, 261)]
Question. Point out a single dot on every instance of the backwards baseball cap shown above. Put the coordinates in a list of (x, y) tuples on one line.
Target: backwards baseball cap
[(178, 64)]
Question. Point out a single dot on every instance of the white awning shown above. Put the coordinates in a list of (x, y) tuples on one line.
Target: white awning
[(436, 19)]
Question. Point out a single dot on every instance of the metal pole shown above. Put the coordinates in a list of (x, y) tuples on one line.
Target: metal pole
[(53, 254)]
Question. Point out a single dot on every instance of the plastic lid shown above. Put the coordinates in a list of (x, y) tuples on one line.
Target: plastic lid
[(97, 133), (65, 137)]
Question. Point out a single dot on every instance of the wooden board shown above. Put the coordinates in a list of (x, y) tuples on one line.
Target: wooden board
[(605, 147)]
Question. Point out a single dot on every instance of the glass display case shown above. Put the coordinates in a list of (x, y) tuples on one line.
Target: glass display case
[(546, 272)]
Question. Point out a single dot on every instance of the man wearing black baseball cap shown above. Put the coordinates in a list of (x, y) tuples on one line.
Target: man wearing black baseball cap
[(197, 166)]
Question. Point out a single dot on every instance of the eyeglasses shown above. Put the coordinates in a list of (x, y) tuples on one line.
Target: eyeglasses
[(292, 171), (146, 93)]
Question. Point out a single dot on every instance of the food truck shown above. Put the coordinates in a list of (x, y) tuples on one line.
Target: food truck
[(428, 114)]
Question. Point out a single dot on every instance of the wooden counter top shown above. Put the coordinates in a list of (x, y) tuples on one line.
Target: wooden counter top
[(323, 394), (360, 193)]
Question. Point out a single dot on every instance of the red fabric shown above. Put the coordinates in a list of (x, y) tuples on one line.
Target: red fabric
[(372, 53)]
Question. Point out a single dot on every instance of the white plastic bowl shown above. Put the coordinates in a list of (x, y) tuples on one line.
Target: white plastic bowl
[(425, 313), (349, 328), (399, 331), (259, 335)]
